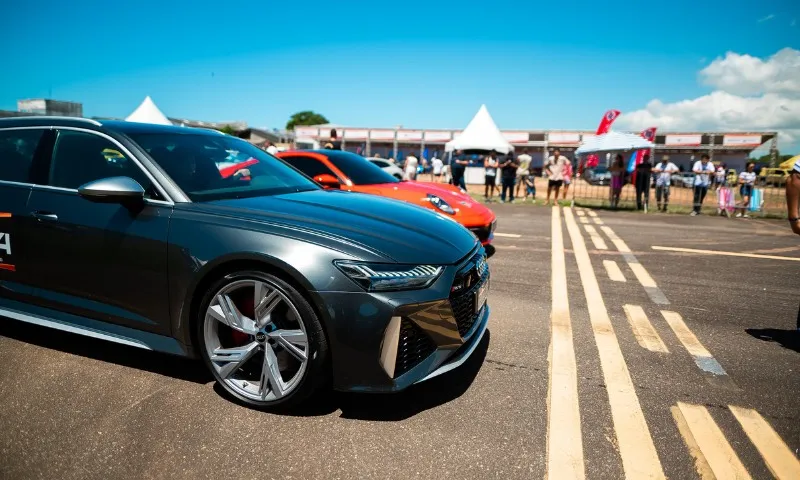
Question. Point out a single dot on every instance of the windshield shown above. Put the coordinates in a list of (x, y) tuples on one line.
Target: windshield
[(358, 169), (211, 167)]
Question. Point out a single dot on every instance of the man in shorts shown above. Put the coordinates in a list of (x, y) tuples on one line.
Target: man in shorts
[(522, 172), (554, 169)]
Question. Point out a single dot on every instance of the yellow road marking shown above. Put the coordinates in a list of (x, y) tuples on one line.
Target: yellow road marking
[(728, 254), (702, 357), (779, 459), (636, 448), (714, 456), (614, 273), (507, 235), (592, 214), (580, 213), (564, 441), (597, 240), (643, 330), (655, 293), (598, 221), (583, 220)]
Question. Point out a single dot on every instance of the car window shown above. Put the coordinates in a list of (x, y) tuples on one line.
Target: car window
[(17, 148), (380, 163), (309, 165), (358, 169), (209, 167), (82, 157)]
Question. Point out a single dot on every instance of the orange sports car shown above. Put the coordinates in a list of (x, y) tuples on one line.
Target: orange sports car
[(348, 171)]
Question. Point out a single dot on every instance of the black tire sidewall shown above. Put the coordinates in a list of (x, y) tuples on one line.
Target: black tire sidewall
[(315, 374)]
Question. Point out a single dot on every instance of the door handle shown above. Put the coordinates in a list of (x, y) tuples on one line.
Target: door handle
[(39, 215)]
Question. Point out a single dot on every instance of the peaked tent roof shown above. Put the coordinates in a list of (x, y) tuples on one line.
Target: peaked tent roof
[(480, 134), (789, 164), (147, 112), (613, 142)]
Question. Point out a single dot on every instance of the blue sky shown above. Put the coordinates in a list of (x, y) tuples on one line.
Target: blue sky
[(419, 64)]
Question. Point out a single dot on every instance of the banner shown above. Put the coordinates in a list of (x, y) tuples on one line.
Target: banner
[(355, 134), (306, 132), (515, 137), (563, 137), (683, 140), (741, 140), (438, 136), (637, 157), (605, 123), (409, 135), (381, 135)]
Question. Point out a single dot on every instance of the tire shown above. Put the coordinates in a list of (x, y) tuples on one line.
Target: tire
[(289, 316)]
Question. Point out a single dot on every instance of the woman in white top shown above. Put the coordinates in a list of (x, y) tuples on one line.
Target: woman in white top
[(747, 179), (437, 169), (411, 167)]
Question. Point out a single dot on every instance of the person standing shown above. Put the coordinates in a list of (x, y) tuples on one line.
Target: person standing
[(333, 143), (458, 168), (747, 181), (618, 172), (530, 185), (643, 177), (436, 174), (793, 208), (703, 170), (567, 179), (664, 171), (490, 164), (524, 164), (411, 167), (508, 176), (270, 147), (554, 169), (719, 176)]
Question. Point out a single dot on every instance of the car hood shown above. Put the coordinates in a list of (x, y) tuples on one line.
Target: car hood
[(398, 231), (469, 211)]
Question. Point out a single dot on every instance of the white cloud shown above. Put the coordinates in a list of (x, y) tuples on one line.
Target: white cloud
[(750, 94), (767, 18)]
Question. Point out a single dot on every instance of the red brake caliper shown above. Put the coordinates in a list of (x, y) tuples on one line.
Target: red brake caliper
[(246, 308)]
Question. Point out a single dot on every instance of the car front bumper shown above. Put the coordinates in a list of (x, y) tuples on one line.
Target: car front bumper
[(387, 342)]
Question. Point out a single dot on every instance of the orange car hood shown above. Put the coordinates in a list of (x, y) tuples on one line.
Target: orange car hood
[(468, 212)]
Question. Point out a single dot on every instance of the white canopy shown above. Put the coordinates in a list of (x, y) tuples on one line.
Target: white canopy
[(480, 134), (148, 113), (613, 142)]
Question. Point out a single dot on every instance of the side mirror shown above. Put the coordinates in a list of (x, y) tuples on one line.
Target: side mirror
[(112, 190), (327, 181)]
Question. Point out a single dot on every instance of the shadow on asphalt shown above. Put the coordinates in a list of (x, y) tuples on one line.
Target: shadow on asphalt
[(159, 363), (786, 338)]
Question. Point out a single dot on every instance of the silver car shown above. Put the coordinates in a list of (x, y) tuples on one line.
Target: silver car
[(388, 167)]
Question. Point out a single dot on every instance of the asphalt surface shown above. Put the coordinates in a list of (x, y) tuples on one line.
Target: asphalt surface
[(77, 408)]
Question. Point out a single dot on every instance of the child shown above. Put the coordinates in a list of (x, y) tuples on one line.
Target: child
[(530, 184)]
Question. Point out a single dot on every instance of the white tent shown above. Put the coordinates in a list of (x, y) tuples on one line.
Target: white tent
[(148, 113), (480, 134), (613, 142)]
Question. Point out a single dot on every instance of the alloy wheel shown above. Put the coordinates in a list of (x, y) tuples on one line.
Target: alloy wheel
[(256, 340)]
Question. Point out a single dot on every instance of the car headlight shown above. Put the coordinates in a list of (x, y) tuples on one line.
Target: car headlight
[(439, 203), (385, 277)]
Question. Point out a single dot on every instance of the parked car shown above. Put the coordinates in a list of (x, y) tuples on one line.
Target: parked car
[(279, 286), (335, 169), (388, 167), (598, 176)]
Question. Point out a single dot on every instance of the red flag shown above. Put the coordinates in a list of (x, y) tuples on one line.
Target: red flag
[(608, 119), (648, 134)]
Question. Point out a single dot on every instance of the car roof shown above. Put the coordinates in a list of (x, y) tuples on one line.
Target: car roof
[(115, 125)]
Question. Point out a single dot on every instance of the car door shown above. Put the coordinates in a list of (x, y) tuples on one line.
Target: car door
[(21, 152), (104, 261)]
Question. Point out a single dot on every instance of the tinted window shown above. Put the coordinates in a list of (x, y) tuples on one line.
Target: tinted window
[(17, 148), (358, 169), (81, 157), (310, 166), (213, 167)]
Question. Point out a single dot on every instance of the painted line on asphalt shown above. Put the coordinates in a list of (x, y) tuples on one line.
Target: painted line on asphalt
[(507, 235), (728, 254), (564, 440), (714, 456), (776, 454), (655, 293), (580, 213), (597, 240), (584, 220), (636, 447), (643, 330), (592, 214), (702, 357), (614, 273), (598, 221)]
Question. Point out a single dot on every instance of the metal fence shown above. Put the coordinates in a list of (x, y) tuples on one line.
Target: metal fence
[(682, 198)]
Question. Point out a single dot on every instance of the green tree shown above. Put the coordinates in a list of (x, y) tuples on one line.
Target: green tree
[(306, 117), (227, 129)]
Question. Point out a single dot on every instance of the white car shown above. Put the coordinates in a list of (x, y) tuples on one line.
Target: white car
[(388, 167)]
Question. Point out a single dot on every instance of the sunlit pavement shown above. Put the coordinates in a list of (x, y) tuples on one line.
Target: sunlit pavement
[(606, 358)]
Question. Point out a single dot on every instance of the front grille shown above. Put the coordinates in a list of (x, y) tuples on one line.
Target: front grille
[(482, 233), (413, 347), (462, 296)]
